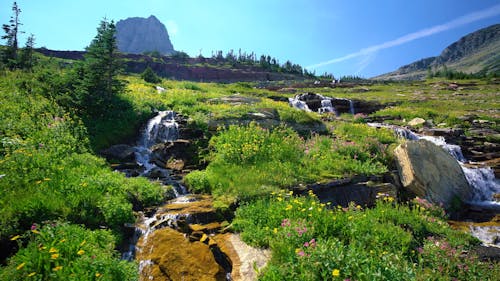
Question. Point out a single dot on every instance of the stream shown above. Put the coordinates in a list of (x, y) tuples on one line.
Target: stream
[(187, 222)]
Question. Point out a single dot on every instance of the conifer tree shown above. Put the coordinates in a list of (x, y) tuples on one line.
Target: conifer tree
[(9, 55), (99, 82)]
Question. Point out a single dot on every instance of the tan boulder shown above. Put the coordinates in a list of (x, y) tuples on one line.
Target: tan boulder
[(171, 256), (416, 121), (432, 173)]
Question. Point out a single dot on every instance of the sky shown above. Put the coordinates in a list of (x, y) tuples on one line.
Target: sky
[(342, 37)]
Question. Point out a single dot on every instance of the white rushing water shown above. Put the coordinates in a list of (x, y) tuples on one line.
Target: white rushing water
[(327, 106), (160, 129)]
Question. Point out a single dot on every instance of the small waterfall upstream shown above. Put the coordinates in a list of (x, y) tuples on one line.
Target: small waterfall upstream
[(318, 103)]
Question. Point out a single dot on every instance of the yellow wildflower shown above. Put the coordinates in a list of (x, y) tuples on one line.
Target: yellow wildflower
[(81, 252), (54, 256), (38, 182), (291, 192), (275, 230), (15, 237), (19, 267), (46, 179), (288, 207), (83, 243), (280, 199), (335, 273), (32, 274), (35, 231), (203, 237), (52, 250), (298, 250), (358, 207), (97, 274), (57, 268)]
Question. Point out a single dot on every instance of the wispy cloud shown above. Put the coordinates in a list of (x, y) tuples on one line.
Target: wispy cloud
[(463, 20), (172, 27)]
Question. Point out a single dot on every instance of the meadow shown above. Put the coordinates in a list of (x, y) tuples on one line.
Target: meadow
[(63, 209)]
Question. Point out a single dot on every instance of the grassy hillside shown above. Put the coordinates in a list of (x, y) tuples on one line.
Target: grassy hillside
[(477, 52)]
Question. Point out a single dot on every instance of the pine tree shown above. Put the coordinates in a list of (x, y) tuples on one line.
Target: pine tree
[(26, 60), (99, 82), (9, 55), (150, 76)]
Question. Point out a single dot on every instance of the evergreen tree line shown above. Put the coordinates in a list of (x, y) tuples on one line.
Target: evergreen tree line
[(264, 61), (445, 72)]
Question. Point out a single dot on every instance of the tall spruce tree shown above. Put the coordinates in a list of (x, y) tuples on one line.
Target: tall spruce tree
[(99, 83), (9, 55)]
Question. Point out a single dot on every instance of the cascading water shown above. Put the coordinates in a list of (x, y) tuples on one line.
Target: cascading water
[(160, 129), (481, 179), (320, 103)]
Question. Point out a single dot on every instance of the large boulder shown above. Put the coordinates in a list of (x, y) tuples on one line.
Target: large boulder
[(430, 172), (171, 256)]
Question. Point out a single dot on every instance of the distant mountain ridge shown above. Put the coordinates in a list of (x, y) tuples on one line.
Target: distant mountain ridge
[(476, 52), (138, 35)]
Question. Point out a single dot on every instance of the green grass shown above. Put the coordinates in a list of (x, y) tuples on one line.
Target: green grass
[(249, 161), (60, 251)]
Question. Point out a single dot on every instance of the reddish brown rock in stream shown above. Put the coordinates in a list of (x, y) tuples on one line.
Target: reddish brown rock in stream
[(173, 257)]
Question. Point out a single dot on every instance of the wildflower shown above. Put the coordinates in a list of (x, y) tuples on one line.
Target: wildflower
[(335, 273), (57, 268), (32, 274), (275, 230), (97, 274), (38, 182), (33, 226), (358, 207), (62, 241), (46, 179), (15, 238), (83, 243), (19, 267), (35, 231), (52, 250), (288, 207), (291, 192), (80, 252), (54, 256)]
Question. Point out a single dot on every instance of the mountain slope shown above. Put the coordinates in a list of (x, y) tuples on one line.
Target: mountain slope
[(138, 35), (475, 52)]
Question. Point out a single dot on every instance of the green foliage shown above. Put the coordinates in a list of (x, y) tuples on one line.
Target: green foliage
[(60, 251), (150, 76), (249, 161), (310, 241), (48, 172)]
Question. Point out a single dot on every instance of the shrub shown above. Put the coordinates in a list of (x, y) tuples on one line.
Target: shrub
[(150, 76)]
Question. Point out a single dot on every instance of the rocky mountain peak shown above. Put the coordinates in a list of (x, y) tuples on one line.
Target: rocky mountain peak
[(138, 35)]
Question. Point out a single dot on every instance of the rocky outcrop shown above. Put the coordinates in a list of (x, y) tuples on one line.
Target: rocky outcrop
[(120, 153), (174, 257), (140, 35), (430, 172)]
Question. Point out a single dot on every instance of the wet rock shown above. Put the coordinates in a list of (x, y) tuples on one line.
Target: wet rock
[(172, 257), (243, 258), (431, 172), (120, 153)]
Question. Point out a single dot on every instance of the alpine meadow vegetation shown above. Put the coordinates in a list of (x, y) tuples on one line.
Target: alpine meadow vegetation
[(64, 211)]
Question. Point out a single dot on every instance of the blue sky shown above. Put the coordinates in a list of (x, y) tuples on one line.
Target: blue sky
[(349, 37)]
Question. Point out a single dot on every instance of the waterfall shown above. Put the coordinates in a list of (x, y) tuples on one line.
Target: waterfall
[(296, 103), (326, 106), (161, 128), (482, 180), (315, 102), (351, 107)]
